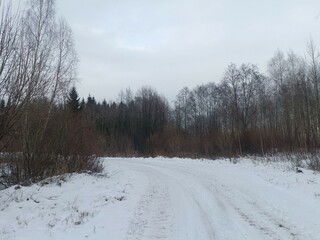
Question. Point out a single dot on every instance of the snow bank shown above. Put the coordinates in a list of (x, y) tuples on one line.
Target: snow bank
[(79, 206)]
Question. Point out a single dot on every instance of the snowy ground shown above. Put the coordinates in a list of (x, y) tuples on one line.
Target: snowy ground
[(162, 198)]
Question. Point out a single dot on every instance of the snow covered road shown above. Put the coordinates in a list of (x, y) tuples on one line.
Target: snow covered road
[(200, 200), (171, 199)]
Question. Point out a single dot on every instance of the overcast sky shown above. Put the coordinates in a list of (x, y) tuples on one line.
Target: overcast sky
[(170, 44)]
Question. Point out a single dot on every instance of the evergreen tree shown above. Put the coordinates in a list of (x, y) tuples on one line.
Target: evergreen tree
[(73, 101), (82, 104), (91, 101)]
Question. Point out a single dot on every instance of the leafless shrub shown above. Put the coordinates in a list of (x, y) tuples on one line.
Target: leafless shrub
[(314, 161)]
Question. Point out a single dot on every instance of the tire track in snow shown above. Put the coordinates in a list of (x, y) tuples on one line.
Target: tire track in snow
[(259, 222), (185, 194), (262, 220), (151, 219)]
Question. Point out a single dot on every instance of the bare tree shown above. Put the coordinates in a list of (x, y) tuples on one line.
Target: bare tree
[(242, 85), (37, 66), (50, 59), (313, 60), (11, 87)]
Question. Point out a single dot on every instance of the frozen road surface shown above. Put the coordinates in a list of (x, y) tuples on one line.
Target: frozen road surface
[(178, 199), (187, 199)]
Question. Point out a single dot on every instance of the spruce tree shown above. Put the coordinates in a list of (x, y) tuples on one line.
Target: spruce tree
[(73, 101)]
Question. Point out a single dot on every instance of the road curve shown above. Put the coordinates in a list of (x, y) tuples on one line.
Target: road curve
[(188, 199)]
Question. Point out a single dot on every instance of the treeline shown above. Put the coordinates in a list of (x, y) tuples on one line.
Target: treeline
[(126, 127), (252, 113), (248, 112)]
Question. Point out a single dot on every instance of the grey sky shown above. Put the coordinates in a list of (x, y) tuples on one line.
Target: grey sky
[(171, 44)]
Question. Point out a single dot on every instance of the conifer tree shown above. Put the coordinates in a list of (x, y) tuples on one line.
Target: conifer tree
[(73, 101)]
